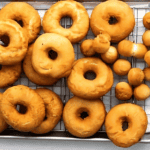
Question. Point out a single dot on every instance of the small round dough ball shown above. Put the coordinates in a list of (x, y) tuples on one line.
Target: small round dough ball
[(146, 38), (147, 58), (147, 73), (141, 92), (146, 20), (123, 91), (135, 76), (110, 56), (121, 67)]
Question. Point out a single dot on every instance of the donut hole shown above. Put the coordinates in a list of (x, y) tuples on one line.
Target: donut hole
[(113, 20), (20, 22), (4, 40), (90, 75), (0, 67), (21, 108), (84, 114), (45, 118), (52, 54), (66, 22), (125, 125)]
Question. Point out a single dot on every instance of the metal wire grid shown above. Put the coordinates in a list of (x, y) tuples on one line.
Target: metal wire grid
[(109, 99)]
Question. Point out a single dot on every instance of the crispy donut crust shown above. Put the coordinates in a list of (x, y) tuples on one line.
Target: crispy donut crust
[(83, 127), (53, 108), (17, 48), (90, 89), (32, 75), (3, 124), (25, 12), (137, 124), (62, 65), (101, 14), (9, 75), (73, 9), (22, 95)]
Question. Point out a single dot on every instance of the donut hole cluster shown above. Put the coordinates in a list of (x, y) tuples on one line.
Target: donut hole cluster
[(22, 109), (4, 40), (90, 75), (66, 19), (52, 54), (112, 20)]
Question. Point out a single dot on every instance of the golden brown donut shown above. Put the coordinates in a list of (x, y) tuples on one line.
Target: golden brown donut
[(127, 48), (32, 74), (137, 121), (123, 91), (24, 13), (62, 64), (93, 89), (106, 11), (146, 20), (147, 73), (9, 74), (135, 76), (53, 108), (147, 58), (110, 56), (83, 117), (141, 92), (146, 38), (3, 124), (17, 47), (22, 95), (73, 9), (121, 67)]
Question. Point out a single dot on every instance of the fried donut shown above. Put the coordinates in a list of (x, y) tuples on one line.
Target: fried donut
[(147, 74), (9, 74), (141, 92), (24, 14), (82, 117), (93, 89), (3, 124), (146, 38), (32, 75), (22, 95), (146, 20), (135, 76), (123, 91), (18, 43), (73, 9), (53, 108), (121, 67), (62, 64), (137, 121), (112, 10), (147, 58)]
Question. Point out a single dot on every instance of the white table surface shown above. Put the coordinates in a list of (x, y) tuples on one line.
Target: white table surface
[(13, 144)]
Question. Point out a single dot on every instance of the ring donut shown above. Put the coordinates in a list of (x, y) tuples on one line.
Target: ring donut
[(22, 95), (53, 108), (93, 89), (18, 43), (113, 10), (43, 64), (137, 124), (32, 75), (9, 74), (73, 9), (25, 14), (83, 118)]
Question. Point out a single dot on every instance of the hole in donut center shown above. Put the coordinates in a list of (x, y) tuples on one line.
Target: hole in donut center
[(21, 108), (4, 40), (113, 20), (124, 125), (0, 67), (52, 54), (90, 75), (66, 22), (20, 22), (45, 118), (84, 114)]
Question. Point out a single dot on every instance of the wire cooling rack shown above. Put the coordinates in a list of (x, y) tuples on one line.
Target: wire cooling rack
[(59, 132)]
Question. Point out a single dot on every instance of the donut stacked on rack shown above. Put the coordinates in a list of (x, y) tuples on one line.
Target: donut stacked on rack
[(50, 57)]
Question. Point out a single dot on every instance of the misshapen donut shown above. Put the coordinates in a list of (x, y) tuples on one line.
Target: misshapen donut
[(137, 124), (17, 47), (90, 89), (22, 95), (82, 117), (62, 64), (73, 9), (32, 74), (104, 12), (53, 108), (24, 13)]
